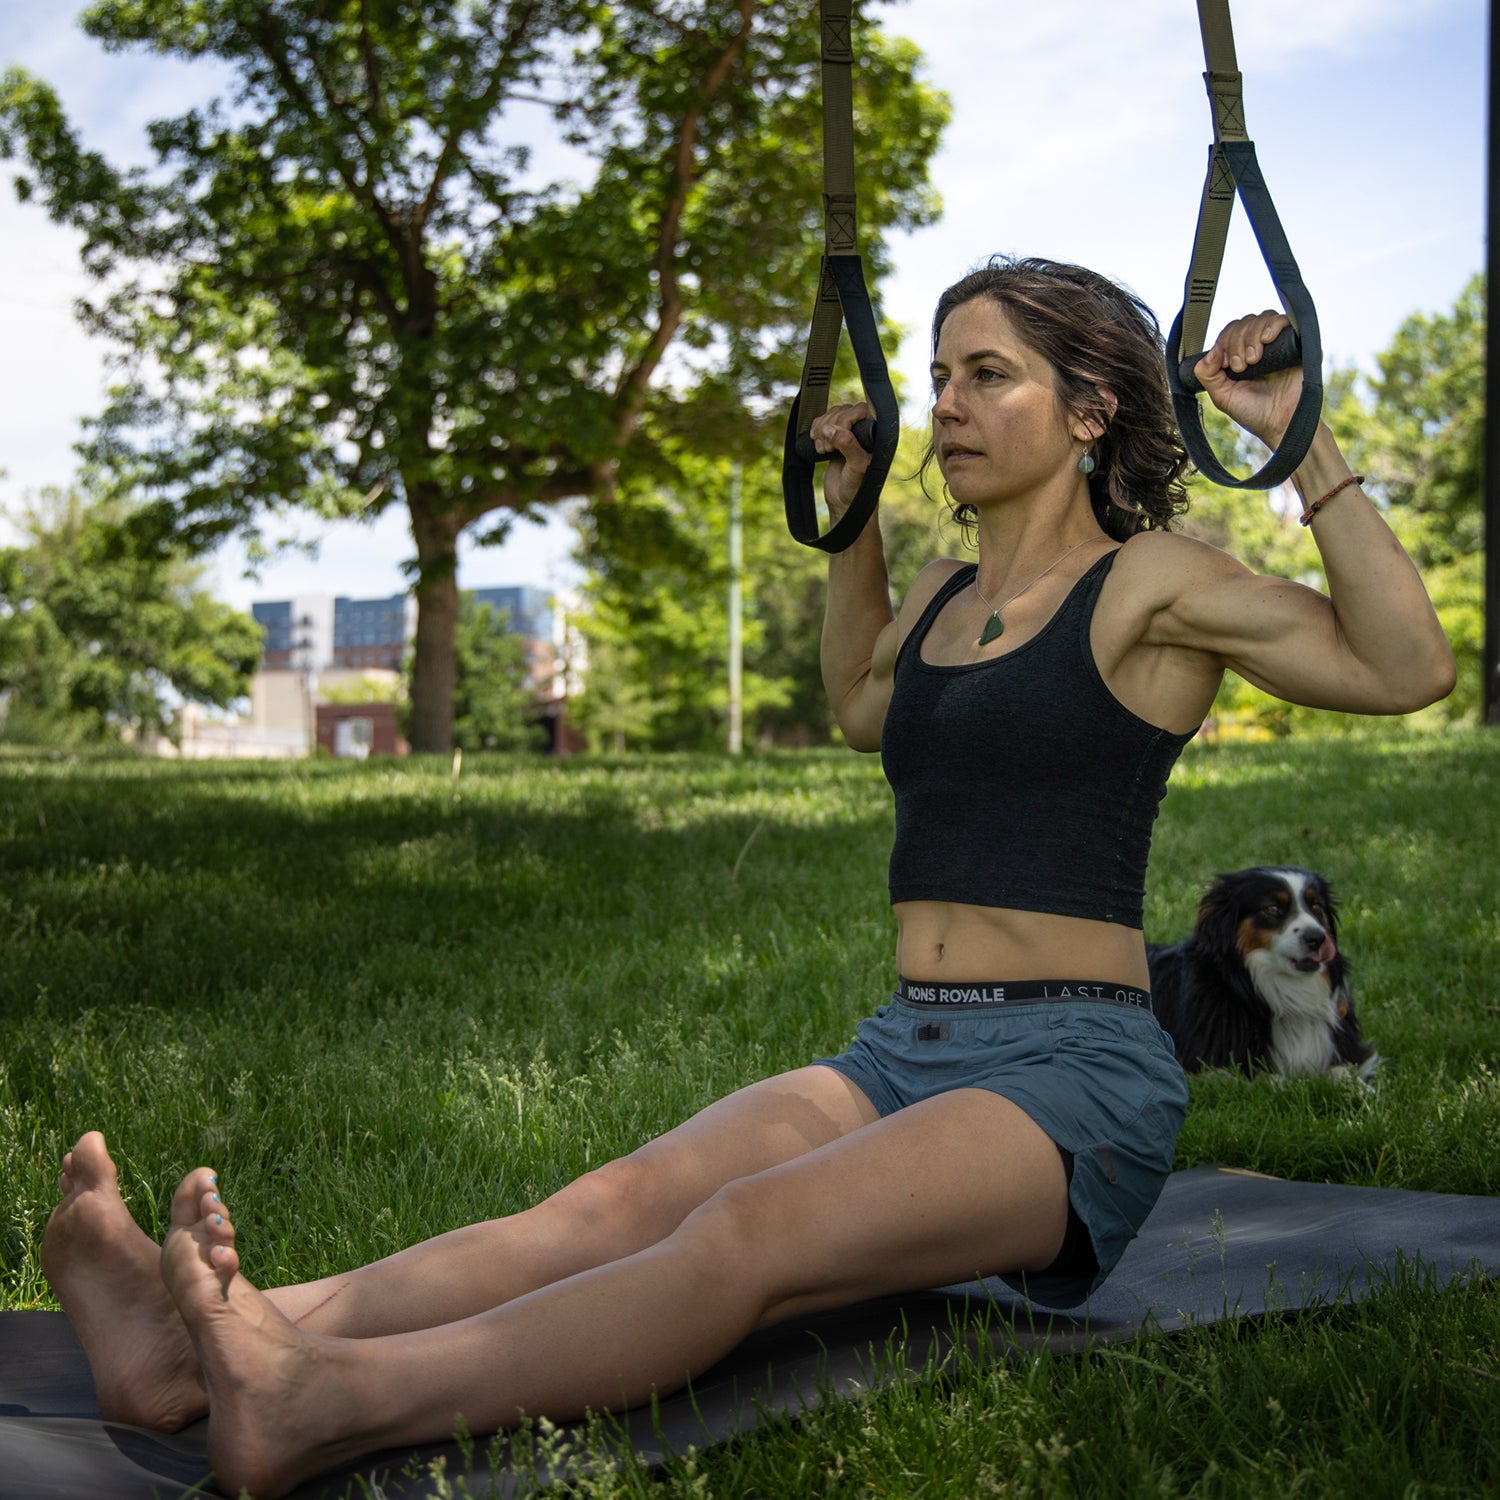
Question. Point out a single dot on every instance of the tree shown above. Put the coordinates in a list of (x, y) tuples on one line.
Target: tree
[(656, 623), (353, 291), (494, 696), (1419, 435), (616, 709), (97, 637)]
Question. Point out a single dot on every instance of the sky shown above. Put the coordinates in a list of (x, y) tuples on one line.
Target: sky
[(1080, 132)]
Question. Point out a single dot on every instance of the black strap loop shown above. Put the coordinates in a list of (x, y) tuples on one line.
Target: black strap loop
[(843, 301), (1233, 169)]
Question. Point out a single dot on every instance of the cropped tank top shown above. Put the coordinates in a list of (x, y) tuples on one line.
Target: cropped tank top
[(1022, 781)]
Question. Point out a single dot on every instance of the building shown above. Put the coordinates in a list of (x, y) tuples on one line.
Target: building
[(314, 632), (344, 711), (331, 676)]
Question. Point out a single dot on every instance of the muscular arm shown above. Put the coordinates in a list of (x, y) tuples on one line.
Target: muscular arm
[(858, 652), (1373, 643), (861, 633)]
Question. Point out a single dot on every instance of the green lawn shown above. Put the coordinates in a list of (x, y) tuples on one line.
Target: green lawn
[(383, 1002)]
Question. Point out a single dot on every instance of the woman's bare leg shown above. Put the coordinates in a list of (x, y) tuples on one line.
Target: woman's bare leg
[(106, 1271), (622, 1207), (957, 1186)]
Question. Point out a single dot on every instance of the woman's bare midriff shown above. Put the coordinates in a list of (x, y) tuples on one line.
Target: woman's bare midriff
[(944, 940)]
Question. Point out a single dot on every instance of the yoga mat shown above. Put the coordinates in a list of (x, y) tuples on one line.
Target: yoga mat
[(1219, 1244)]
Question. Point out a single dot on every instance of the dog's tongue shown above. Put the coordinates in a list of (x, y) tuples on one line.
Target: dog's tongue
[(1328, 952)]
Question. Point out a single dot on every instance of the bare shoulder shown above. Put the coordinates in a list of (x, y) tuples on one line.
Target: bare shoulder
[(924, 588), (887, 646), (1170, 553), (1158, 568)]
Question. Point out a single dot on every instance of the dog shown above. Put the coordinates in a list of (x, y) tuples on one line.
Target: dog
[(1260, 984)]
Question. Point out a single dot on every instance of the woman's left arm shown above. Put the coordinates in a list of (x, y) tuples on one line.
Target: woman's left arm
[(1373, 643)]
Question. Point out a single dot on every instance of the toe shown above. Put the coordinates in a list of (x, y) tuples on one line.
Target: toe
[(89, 1163), (216, 1220), (192, 1195), (221, 1253)]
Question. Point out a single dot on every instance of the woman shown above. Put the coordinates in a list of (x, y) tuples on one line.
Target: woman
[(1014, 1110)]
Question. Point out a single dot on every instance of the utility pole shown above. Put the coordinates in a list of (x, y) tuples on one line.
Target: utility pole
[(736, 616), (1491, 400)]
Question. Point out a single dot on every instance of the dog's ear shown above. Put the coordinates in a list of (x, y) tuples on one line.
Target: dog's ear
[(1219, 916), (1330, 905)]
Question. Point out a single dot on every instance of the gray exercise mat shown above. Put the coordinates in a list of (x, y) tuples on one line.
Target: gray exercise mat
[(1219, 1244)]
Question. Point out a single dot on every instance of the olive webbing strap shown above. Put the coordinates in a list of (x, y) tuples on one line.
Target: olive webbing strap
[(1233, 169), (842, 300)]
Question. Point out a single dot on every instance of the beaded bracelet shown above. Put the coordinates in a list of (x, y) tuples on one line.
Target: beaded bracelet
[(1317, 505)]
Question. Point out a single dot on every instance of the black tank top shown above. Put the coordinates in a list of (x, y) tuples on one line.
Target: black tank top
[(1022, 781)]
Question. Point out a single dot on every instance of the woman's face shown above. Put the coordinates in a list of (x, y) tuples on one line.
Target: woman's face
[(999, 429)]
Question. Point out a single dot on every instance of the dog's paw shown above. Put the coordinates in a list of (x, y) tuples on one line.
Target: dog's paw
[(1362, 1077)]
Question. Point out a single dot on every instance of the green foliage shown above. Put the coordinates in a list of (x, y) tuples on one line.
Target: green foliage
[(658, 586), (615, 710), (1421, 439), (367, 689), (98, 632), (493, 695), (657, 591), (349, 287), (1419, 435)]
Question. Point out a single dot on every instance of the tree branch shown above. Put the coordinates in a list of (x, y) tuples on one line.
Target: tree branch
[(480, 110), (371, 64), (273, 47), (635, 383)]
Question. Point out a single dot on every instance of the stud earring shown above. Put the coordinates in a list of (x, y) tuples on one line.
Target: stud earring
[(1086, 464)]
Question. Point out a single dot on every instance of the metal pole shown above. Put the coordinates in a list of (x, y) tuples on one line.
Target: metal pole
[(1491, 666), (736, 616), (304, 653)]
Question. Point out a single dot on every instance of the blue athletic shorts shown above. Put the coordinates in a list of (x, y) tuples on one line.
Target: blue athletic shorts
[(1091, 1067)]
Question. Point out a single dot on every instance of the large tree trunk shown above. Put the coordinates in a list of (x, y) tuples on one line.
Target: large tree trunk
[(432, 671)]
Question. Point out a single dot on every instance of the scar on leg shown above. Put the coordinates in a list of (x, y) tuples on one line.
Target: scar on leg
[(303, 1316)]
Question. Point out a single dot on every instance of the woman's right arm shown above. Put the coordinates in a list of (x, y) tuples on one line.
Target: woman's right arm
[(861, 632), (859, 640), (859, 626)]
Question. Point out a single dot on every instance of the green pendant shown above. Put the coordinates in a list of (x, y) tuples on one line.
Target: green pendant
[(994, 628)]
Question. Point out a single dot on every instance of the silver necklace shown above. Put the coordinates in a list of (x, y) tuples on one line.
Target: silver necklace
[(994, 627)]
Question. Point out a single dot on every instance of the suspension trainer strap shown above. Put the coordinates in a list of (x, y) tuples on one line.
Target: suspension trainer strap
[(1232, 168), (842, 301)]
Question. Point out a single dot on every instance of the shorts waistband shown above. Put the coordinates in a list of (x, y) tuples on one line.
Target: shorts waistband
[(1026, 992)]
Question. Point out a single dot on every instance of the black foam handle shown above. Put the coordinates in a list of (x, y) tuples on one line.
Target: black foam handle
[(1284, 352), (864, 432)]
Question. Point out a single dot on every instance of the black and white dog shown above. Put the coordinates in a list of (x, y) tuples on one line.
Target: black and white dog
[(1260, 983)]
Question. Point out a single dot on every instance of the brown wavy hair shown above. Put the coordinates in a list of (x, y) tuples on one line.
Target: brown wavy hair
[(1098, 336)]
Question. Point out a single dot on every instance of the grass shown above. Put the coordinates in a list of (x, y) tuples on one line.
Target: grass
[(383, 1002)]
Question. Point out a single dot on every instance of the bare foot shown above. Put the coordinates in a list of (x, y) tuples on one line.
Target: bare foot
[(106, 1272), (282, 1402)]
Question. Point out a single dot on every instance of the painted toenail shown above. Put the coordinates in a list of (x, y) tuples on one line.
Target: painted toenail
[(216, 1197), (218, 1218)]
